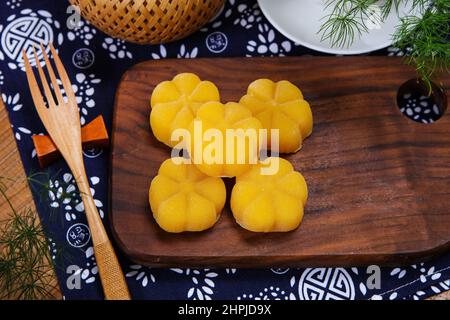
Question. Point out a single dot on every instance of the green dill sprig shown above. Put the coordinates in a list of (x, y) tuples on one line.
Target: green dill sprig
[(423, 33), (349, 19), (346, 21), (27, 261), (427, 38), (26, 268)]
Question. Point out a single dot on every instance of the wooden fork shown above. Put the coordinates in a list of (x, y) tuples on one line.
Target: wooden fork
[(62, 120)]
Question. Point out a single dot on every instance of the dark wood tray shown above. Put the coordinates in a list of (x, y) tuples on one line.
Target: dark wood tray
[(379, 182)]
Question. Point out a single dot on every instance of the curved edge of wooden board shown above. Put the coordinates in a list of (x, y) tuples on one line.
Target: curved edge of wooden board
[(381, 258), (281, 261)]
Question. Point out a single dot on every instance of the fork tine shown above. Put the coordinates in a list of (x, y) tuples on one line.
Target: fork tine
[(62, 74), (51, 72), (48, 92), (33, 85)]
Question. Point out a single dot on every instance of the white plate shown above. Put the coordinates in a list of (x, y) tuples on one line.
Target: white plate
[(300, 21)]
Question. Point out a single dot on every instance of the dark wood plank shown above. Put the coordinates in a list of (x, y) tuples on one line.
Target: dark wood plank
[(379, 183)]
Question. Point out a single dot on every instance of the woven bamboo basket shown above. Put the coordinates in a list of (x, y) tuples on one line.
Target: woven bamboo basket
[(148, 21)]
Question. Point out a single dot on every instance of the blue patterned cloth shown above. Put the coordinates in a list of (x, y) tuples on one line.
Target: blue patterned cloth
[(95, 63)]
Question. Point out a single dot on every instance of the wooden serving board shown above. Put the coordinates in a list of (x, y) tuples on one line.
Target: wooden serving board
[(379, 182)]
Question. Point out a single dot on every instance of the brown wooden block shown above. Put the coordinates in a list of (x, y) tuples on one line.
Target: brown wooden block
[(94, 134)]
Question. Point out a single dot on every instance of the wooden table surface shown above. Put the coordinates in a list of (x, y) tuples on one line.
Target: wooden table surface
[(18, 191), (11, 168)]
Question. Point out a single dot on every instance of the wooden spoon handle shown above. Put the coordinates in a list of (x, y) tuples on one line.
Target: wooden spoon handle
[(113, 281), (111, 276)]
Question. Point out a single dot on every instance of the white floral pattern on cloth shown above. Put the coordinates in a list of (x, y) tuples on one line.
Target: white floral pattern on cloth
[(398, 272), (362, 285), (434, 289), (116, 48), (25, 30), (419, 108), (141, 274), (202, 283), (19, 131), (98, 203), (248, 15), (52, 248), (84, 89), (439, 288), (14, 4), (12, 102), (426, 273), (270, 293), (64, 194), (396, 52), (2, 78), (89, 271), (161, 54), (186, 53), (83, 31), (266, 44)]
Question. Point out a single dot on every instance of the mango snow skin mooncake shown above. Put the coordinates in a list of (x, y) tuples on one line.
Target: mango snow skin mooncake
[(174, 104), (280, 106), (269, 203), (184, 199), (224, 139)]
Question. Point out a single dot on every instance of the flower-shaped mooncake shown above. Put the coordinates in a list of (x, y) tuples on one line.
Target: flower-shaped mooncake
[(269, 203), (184, 199), (224, 139), (174, 104), (280, 106)]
